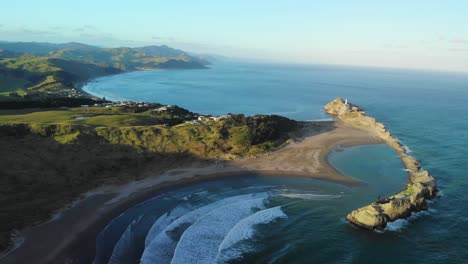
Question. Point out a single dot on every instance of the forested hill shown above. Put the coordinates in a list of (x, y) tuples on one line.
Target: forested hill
[(32, 70)]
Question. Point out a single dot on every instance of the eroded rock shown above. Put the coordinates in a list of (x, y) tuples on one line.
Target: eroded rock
[(421, 185)]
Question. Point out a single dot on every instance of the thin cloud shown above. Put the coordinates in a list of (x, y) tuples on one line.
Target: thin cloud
[(89, 27), (458, 50), (459, 41), (163, 38), (85, 28), (108, 40), (34, 32)]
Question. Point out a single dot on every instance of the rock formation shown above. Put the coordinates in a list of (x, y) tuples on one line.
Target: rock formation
[(420, 185)]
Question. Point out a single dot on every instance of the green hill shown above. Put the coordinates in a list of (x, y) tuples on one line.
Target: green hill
[(34, 77), (31, 70), (51, 157), (41, 48), (127, 59)]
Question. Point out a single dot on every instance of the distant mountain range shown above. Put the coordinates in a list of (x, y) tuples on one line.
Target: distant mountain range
[(121, 58), (41, 48), (38, 69)]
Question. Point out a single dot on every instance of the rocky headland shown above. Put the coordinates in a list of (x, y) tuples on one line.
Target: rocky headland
[(419, 188)]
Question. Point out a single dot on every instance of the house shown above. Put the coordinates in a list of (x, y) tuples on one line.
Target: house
[(160, 109)]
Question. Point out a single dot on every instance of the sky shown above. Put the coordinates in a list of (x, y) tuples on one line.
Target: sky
[(422, 34)]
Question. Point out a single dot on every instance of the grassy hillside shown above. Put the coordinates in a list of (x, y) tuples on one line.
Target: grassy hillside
[(97, 116), (128, 59), (37, 70), (164, 131), (35, 77), (41, 48), (50, 157)]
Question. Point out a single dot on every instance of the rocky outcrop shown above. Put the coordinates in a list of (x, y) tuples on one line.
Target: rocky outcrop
[(420, 185)]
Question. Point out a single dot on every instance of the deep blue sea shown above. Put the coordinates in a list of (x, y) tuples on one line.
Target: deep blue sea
[(299, 220)]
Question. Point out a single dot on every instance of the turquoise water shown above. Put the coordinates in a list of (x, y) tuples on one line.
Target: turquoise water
[(302, 220)]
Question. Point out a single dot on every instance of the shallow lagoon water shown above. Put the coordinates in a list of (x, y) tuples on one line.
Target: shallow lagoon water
[(425, 110)]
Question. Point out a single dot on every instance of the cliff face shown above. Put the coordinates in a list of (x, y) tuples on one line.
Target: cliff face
[(420, 185)]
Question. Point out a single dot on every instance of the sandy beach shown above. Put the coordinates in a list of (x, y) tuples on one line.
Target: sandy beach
[(70, 236)]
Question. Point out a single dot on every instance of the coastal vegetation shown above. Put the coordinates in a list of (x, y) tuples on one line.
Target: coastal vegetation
[(32, 71), (52, 156), (58, 142)]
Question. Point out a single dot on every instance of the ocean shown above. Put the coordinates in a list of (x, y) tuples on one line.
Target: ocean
[(298, 220)]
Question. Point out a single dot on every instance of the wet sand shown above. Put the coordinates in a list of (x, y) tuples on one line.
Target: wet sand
[(71, 237)]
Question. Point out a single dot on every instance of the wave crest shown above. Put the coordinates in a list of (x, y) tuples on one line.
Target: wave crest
[(162, 247), (200, 242), (244, 230)]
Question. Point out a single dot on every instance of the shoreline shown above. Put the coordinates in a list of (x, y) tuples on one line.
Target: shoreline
[(420, 186), (79, 85), (69, 237)]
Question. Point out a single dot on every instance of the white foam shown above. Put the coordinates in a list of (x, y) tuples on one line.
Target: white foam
[(244, 230), (200, 242), (161, 249), (397, 225), (164, 221), (310, 196), (407, 149)]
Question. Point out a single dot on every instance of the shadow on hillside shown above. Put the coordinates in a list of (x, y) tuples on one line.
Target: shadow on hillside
[(41, 175)]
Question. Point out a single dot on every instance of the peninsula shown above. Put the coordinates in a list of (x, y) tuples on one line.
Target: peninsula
[(114, 156), (420, 186), (97, 161)]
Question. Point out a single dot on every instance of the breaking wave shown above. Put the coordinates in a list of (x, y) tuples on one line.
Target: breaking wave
[(164, 221), (397, 225), (200, 242), (400, 224), (162, 247), (123, 250), (244, 230)]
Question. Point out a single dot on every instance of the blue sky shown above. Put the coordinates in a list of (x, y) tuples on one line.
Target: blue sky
[(411, 34)]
